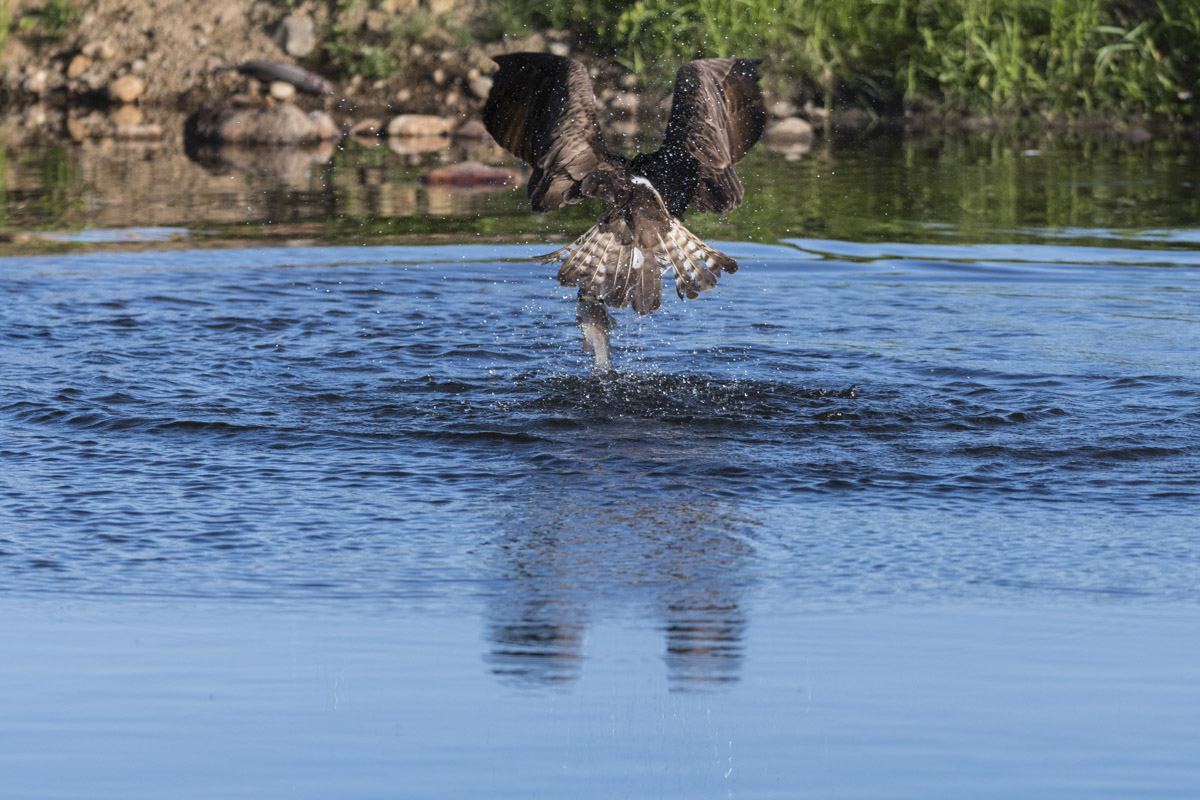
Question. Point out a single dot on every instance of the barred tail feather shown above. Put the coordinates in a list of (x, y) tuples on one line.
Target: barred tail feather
[(630, 273), (605, 269), (628, 264), (696, 265)]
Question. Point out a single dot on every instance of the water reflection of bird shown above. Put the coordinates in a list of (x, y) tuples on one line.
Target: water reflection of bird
[(596, 526), (541, 109), (555, 578)]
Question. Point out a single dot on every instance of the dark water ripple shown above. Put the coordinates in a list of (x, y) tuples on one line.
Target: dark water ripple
[(419, 422)]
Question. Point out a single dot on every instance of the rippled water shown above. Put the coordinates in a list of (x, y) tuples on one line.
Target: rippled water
[(283, 415), (362, 518)]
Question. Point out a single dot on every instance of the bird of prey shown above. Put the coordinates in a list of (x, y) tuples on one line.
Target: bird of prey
[(542, 110)]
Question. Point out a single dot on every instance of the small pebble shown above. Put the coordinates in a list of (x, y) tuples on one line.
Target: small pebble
[(79, 65), (76, 129), (127, 116), (127, 88), (282, 90)]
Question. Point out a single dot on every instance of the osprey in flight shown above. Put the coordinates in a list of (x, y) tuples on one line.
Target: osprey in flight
[(541, 109)]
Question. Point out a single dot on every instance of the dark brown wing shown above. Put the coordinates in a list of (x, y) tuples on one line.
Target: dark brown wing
[(717, 114), (542, 110)]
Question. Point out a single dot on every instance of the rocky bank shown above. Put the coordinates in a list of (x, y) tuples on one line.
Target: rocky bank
[(138, 70)]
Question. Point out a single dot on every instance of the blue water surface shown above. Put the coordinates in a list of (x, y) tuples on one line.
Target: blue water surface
[(869, 520)]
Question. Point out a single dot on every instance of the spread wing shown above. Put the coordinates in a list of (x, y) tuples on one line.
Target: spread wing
[(542, 110), (717, 114)]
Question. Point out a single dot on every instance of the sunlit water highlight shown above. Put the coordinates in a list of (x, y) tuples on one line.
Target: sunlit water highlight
[(960, 459)]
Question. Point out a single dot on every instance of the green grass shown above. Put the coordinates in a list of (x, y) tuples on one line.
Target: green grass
[(5, 22), (350, 49), (52, 21), (1004, 57)]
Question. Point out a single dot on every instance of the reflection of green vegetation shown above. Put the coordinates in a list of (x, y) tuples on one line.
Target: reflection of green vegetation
[(52, 20), (54, 201), (981, 56), (4, 201), (972, 191), (61, 200), (985, 190)]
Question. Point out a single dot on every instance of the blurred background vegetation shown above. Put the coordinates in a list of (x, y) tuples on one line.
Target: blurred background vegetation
[(999, 57), (1003, 58)]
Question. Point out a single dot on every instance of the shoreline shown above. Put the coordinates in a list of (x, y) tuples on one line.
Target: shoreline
[(135, 72), (64, 122)]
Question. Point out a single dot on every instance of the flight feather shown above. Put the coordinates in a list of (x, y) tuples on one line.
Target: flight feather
[(542, 109)]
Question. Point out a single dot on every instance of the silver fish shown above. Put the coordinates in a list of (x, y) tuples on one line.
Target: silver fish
[(596, 322)]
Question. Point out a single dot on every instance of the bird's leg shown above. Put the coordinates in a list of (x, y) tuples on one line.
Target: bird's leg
[(596, 322)]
